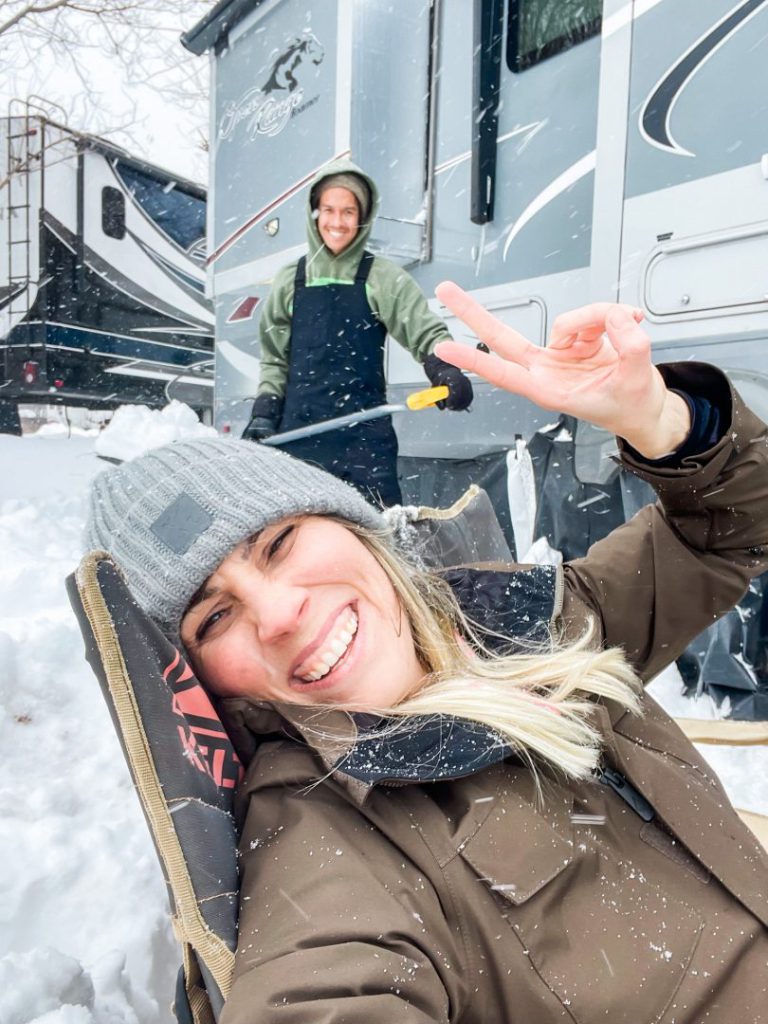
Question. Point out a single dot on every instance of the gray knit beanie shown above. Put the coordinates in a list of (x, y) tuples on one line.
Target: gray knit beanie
[(170, 517), (353, 182)]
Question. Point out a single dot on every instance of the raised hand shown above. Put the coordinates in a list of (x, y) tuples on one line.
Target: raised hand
[(597, 366)]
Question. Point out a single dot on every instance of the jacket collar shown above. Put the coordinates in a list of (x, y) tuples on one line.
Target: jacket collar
[(362, 751)]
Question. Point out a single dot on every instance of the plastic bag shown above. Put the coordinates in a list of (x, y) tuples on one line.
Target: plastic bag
[(521, 493)]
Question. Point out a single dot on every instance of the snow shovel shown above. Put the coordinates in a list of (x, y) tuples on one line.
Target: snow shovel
[(418, 400)]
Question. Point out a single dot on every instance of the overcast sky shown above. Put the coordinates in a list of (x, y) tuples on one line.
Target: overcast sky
[(148, 123)]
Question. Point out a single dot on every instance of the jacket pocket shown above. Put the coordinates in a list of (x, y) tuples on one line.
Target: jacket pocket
[(606, 941)]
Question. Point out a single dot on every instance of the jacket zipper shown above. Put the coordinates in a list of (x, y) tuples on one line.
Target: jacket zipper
[(634, 799)]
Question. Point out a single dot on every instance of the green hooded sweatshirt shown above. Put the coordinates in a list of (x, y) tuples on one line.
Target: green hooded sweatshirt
[(392, 293)]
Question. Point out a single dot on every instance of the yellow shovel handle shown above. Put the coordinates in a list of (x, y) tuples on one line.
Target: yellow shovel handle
[(429, 396)]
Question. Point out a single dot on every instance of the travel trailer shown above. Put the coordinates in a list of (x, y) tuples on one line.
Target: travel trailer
[(541, 153), (101, 274)]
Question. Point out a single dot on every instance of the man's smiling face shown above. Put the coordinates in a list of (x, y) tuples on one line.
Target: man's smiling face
[(338, 218)]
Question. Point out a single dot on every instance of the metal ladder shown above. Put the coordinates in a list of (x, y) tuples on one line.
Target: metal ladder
[(25, 155), (24, 128)]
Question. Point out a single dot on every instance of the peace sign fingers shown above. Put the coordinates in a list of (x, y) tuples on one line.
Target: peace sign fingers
[(502, 374), (500, 338)]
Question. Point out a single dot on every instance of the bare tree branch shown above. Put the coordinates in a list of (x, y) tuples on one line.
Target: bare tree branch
[(29, 9), (138, 37)]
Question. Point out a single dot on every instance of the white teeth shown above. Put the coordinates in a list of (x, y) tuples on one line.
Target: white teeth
[(336, 646)]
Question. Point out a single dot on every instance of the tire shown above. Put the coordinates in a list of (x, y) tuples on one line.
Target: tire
[(10, 422)]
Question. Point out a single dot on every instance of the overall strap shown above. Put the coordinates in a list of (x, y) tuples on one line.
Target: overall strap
[(364, 267), (300, 279)]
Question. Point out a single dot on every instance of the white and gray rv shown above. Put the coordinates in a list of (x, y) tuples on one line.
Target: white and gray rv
[(542, 153), (102, 278)]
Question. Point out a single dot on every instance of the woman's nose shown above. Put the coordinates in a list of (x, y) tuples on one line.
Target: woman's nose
[(276, 609)]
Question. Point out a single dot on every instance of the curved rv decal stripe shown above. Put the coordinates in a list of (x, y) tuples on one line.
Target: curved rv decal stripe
[(529, 130), (111, 278), (555, 188), (124, 348), (75, 339), (133, 369), (10, 292), (265, 210), (657, 109), (245, 364), (192, 285), (152, 304)]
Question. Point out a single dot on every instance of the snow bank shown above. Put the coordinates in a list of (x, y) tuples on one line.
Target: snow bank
[(84, 936), (134, 429)]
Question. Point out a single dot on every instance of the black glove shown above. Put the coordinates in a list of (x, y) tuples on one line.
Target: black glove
[(459, 386), (265, 416)]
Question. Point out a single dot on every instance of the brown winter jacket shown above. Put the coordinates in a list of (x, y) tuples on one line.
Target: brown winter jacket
[(473, 901)]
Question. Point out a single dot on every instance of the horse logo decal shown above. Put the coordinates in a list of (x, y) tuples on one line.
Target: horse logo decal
[(282, 73), (268, 108)]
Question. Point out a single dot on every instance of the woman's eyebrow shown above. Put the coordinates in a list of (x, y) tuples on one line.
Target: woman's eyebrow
[(249, 543), (206, 590), (201, 594)]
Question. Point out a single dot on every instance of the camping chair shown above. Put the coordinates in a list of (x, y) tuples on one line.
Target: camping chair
[(185, 771)]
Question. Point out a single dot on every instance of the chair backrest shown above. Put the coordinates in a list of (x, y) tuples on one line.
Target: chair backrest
[(183, 766)]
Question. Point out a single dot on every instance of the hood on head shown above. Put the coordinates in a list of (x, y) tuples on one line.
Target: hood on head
[(354, 251)]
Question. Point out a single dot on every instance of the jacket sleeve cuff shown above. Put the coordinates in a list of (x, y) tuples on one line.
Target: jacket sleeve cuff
[(709, 397)]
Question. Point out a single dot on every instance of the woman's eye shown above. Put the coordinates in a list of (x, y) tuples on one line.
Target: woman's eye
[(274, 546), (208, 623)]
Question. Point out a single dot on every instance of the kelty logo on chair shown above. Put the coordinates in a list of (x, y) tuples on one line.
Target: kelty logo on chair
[(202, 735)]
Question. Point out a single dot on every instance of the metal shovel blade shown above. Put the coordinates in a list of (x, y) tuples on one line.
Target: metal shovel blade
[(418, 400)]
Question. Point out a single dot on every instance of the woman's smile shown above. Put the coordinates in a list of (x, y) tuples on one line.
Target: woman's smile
[(329, 653), (304, 613)]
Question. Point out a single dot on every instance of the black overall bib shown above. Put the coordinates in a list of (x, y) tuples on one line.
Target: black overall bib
[(337, 367)]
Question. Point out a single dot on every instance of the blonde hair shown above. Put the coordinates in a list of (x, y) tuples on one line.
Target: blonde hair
[(538, 700)]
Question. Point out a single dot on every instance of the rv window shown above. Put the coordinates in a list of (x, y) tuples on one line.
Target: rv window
[(539, 29), (178, 213), (113, 212)]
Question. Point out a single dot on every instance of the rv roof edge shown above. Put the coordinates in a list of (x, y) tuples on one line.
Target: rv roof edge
[(209, 30), (106, 148)]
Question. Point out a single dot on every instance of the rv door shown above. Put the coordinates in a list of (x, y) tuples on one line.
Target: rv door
[(391, 115)]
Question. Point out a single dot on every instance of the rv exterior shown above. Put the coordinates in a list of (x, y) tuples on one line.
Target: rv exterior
[(101, 274), (541, 153)]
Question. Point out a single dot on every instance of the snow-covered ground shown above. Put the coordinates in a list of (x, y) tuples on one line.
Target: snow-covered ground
[(83, 916), (84, 936)]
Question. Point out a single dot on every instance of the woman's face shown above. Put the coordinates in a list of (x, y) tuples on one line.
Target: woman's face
[(304, 613)]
